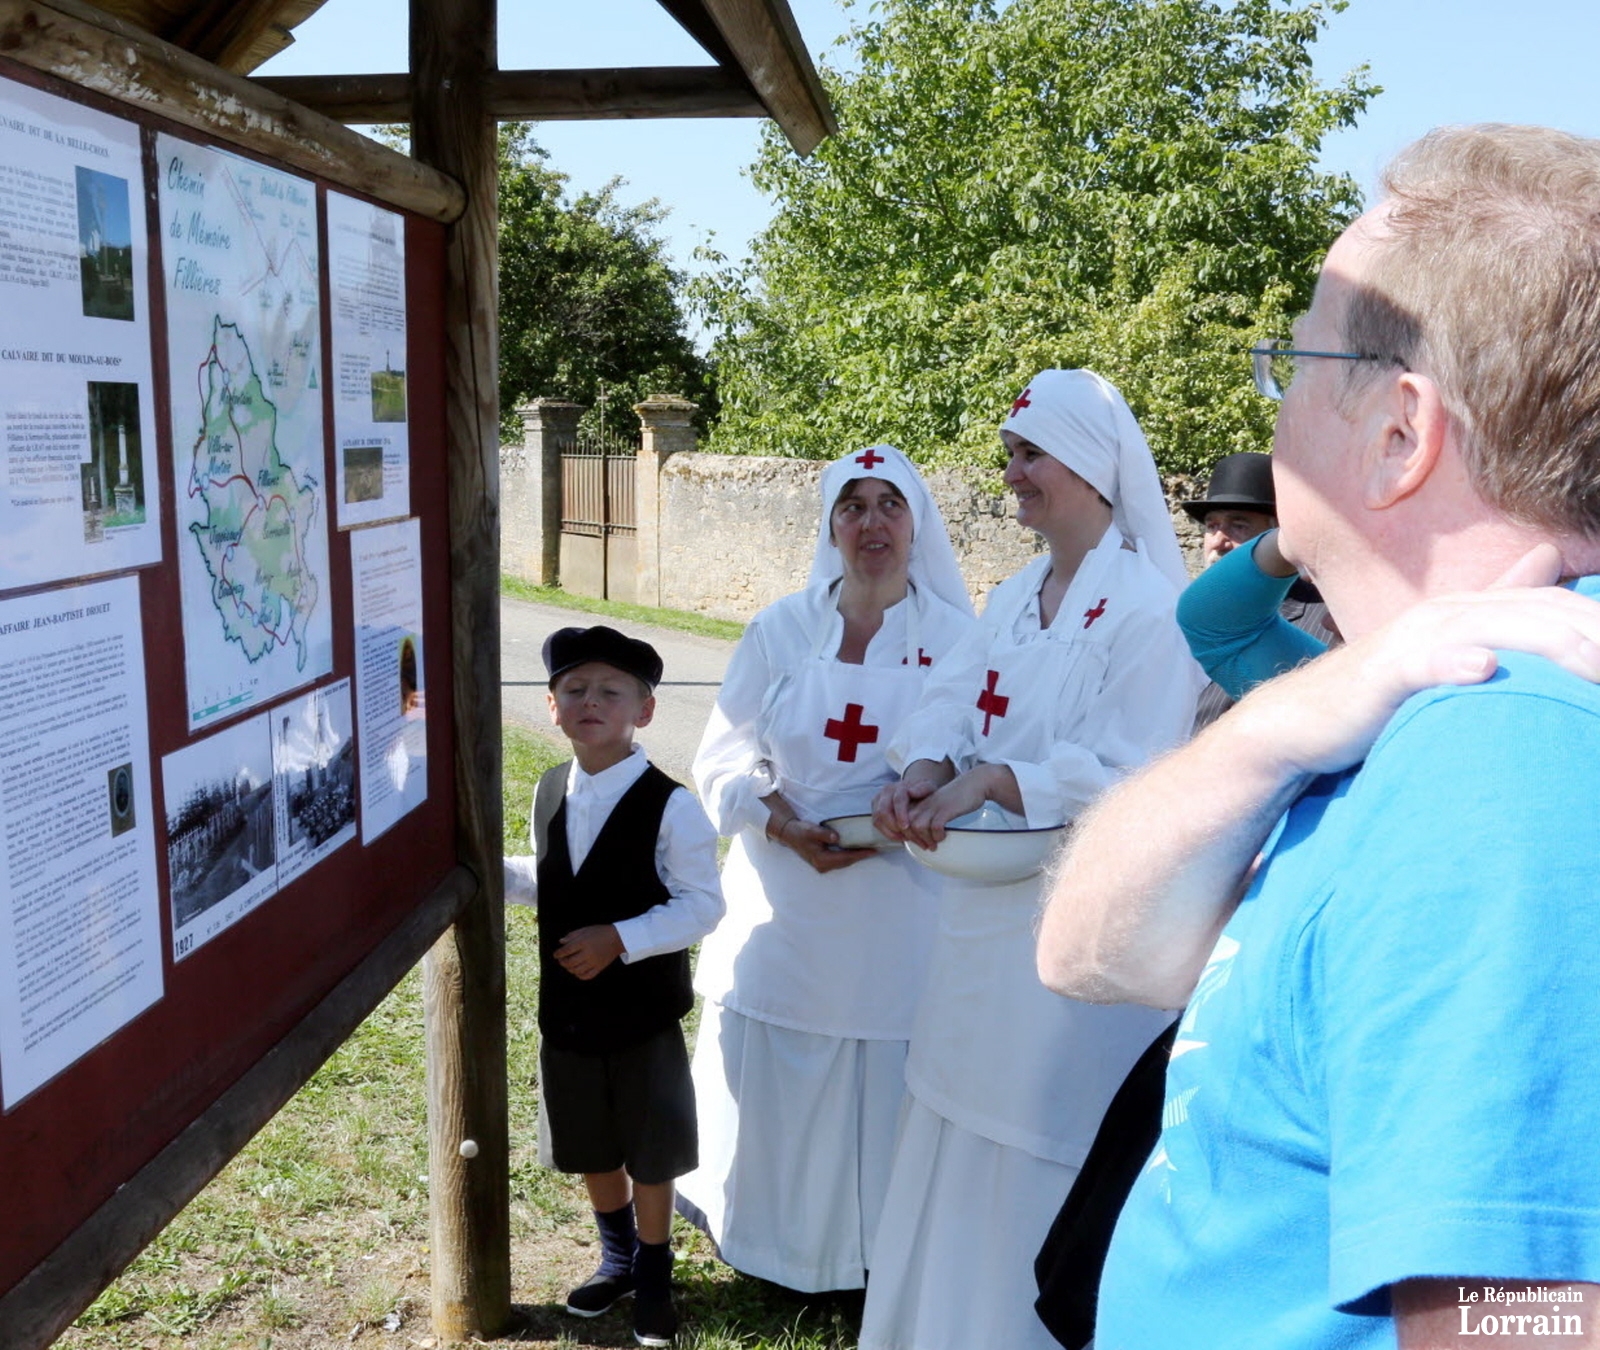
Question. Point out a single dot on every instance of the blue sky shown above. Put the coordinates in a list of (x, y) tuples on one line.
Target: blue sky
[(1438, 60)]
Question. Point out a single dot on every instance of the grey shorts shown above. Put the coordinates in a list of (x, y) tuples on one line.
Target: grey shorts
[(631, 1108)]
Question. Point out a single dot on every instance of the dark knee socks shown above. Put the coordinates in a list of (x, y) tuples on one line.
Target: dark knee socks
[(652, 1270), (618, 1237)]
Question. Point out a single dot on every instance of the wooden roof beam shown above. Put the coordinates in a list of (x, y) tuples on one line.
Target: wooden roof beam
[(766, 42), (92, 49), (538, 95), (222, 31)]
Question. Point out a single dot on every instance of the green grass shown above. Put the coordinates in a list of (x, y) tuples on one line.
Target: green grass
[(317, 1234), (680, 619)]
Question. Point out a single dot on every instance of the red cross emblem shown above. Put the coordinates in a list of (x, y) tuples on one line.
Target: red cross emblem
[(991, 704), (1022, 401), (850, 733), (1090, 615), (866, 461), (923, 659)]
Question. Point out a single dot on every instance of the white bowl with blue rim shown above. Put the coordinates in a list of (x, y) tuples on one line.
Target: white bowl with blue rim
[(991, 845)]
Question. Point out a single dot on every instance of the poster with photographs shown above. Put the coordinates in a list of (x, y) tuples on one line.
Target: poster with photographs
[(391, 697), (367, 275), (222, 831), (314, 773), (80, 932), (77, 420)]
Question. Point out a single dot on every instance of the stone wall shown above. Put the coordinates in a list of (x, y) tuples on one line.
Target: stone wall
[(736, 532), (726, 535)]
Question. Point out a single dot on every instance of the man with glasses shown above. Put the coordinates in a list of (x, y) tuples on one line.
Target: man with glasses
[(1383, 918)]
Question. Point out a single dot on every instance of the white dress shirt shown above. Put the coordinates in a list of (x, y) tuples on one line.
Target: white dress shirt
[(686, 859)]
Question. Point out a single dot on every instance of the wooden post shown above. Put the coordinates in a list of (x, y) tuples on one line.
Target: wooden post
[(453, 57)]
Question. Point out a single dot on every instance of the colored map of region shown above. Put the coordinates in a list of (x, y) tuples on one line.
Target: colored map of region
[(257, 514)]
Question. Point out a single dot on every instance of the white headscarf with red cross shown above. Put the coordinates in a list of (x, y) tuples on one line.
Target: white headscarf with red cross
[(1082, 420), (933, 565)]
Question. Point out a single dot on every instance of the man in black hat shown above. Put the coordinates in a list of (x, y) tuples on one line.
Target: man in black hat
[(1239, 506)]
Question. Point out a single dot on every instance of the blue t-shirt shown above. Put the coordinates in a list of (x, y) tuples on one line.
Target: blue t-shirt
[(1390, 1067)]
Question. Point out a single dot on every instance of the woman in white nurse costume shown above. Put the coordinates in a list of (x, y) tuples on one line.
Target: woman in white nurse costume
[(812, 978), (1077, 672)]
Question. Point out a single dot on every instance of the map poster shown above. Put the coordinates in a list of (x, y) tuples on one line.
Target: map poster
[(314, 773), (80, 910), (78, 487), (391, 716), (239, 255), (367, 282), (222, 836)]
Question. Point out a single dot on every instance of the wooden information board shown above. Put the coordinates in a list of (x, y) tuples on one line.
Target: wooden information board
[(226, 742)]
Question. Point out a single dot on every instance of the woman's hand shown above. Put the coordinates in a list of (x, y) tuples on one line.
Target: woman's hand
[(817, 845), (964, 793), (892, 807)]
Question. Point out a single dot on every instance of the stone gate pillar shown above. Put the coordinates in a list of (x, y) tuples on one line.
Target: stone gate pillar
[(667, 429), (530, 539)]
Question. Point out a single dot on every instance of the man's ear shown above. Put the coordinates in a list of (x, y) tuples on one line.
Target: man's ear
[(1411, 430), (647, 710), (550, 699)]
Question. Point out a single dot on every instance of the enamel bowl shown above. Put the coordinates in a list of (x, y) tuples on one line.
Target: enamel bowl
[(990, 845), (858, 832)]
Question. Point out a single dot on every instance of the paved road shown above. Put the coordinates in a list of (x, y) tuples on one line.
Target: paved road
[(694, 669)]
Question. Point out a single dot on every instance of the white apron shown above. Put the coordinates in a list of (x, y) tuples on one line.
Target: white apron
[(992, 1050), (844, 954)]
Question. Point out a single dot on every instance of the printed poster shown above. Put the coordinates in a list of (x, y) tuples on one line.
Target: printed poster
[(239, 253), (391, 714), (222, 832), (77, 417), (80, 920), (314, 778), (367, 281)]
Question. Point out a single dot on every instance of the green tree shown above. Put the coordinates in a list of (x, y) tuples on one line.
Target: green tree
[(588, 301), (1128, 185)]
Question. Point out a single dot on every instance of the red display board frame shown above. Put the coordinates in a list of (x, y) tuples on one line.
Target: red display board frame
[(251, 1011)]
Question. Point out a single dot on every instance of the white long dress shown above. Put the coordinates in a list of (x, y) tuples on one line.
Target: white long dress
[(1008, 1081), (811, 981)]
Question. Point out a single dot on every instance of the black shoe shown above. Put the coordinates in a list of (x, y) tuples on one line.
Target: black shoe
[(598, 1294), (655, 1321)]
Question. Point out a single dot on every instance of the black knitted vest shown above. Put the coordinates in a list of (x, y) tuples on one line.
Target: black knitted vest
[(626, 1002)]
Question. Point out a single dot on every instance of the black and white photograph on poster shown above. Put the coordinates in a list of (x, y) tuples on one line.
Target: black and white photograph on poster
[(113, 479), (314, 765), (80, 929), (367, 281), (222, 837), (77, 400), (105, 245)]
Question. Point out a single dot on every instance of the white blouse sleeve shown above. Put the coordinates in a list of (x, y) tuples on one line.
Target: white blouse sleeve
[(944, 723), (1144, 706), (729, 770)]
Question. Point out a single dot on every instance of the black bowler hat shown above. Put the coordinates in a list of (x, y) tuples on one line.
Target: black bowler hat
[(569, 647), (1242, 481)]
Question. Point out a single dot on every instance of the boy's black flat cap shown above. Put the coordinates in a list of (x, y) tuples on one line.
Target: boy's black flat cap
[(569, 647)]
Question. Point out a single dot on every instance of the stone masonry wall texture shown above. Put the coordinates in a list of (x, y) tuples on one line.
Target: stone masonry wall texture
[(738, 531)]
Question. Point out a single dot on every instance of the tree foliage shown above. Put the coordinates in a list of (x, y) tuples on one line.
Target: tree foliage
[(1128, 185), (587, 298)]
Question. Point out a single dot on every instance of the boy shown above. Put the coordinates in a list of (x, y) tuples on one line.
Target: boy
[(624, 866)]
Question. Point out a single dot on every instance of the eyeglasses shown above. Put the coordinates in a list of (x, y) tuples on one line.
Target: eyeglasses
[(1273, 364)]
